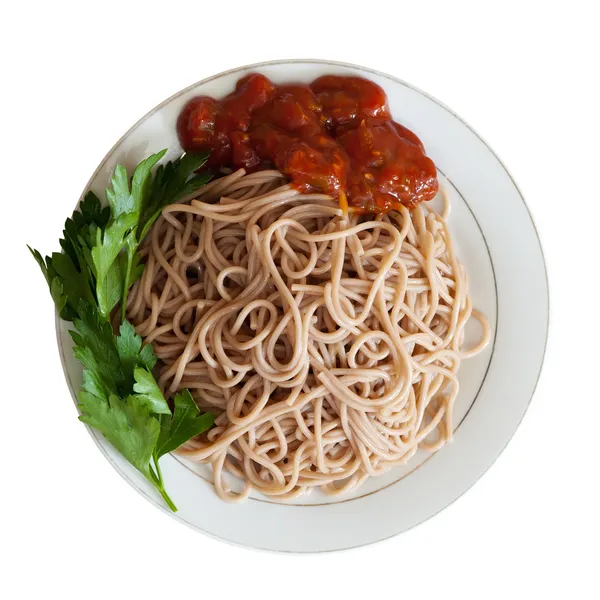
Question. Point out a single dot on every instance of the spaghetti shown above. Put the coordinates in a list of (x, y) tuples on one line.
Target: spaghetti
[(327, 344)]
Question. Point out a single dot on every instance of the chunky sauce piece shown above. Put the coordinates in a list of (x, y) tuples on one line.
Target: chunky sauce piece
[(334, 136)]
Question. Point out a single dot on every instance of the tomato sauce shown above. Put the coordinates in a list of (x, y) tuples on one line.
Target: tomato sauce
[(335, 136)]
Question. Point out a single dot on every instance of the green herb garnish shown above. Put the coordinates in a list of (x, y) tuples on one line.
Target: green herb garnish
[(99, 263)]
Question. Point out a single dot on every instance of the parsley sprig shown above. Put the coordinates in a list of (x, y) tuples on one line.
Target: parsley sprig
[(98, 264)]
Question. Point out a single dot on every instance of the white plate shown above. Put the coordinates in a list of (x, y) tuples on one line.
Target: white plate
[(496, 240)]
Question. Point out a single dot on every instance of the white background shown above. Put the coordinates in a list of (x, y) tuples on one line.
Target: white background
[(76, 77)]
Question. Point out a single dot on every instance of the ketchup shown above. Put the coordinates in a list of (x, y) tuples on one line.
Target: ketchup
[(334, 136)]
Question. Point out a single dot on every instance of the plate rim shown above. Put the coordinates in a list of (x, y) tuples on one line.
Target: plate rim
[(546, 291)]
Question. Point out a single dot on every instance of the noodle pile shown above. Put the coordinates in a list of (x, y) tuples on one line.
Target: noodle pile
[(327, 345)]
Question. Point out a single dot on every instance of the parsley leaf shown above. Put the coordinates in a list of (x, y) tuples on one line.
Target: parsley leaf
[(95, 348), (118, 397), (147, 198), (109, 284), (91, 212), (126, 424), (110, 361), (94, 384), (142, 180), (149, 393), (118, 196), (187, 422), (40, 261), (124, 201), (171, 183), (110, 243), (69, 275), (131, 353), (80, 230)]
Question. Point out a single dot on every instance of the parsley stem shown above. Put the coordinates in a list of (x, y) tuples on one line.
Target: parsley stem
[(130, 254), (166, 498), (160, 486)]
